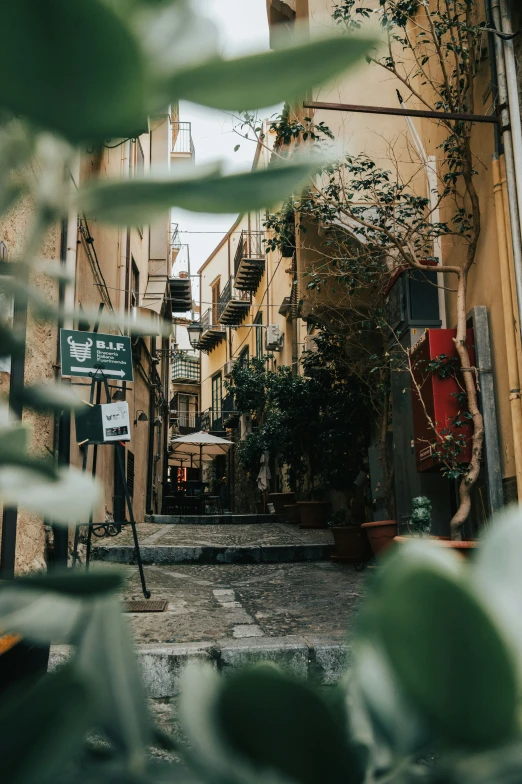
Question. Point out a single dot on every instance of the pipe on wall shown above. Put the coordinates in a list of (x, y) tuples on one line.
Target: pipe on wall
[(506, 114), (509, 327)]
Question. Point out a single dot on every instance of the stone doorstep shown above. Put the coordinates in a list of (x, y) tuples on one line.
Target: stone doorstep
[(241, 554), (224, 519), (321, 660)]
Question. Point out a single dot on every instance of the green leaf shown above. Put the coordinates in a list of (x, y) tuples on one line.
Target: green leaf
[(445, 647), (265, 79), (391, 713), (43, 728), (38, 614), (73, 582), (497, 576), (67, 500), (262, 725), (106, 656), (73, 67), (136, 201), (10, 346), (280, 724), (45, 309), (51, 397), (14, 440)]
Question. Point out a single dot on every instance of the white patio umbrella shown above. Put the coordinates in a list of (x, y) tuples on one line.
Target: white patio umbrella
[(198, 448)]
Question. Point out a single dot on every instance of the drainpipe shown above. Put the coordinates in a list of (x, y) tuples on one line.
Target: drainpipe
[(509, 327), (512, 140), (66, 300)]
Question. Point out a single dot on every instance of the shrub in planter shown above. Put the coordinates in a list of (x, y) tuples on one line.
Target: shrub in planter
[(314, 514), (351, 542)]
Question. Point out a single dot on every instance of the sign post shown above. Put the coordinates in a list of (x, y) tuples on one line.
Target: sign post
[(86, 353)]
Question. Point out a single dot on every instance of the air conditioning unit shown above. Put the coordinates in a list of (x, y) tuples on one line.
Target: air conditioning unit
[(227, 370), (274, 337)]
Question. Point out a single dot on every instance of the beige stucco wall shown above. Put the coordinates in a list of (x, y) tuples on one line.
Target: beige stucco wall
[(376, 135), (41, 356)]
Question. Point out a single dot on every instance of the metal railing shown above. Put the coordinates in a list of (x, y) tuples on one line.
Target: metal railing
[(185, 368), (208, 321), (182, 144), (231, 294), (250, 246), (181, 265), (187, 420), (210, 419)]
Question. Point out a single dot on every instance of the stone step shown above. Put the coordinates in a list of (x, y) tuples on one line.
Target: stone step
[(217, 544), (322, 660), (172, 554), (222, 519)]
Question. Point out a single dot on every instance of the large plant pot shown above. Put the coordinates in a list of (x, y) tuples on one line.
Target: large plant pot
[(314, 514), (380, 534), (351, 544), (292, 514), (280, 499), (463, 547)]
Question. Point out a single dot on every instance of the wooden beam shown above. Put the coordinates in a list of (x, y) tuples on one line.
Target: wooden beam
[(350, 107)]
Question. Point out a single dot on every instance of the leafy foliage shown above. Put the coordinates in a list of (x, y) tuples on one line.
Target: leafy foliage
[(431, 695), (314, 423), (92, 71)]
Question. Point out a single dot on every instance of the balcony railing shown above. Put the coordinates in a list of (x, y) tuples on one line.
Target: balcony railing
[(211, 333), (180, 280), (249, 261), (234, 304), (210, 420), (185, 369), (182, 145), (187, 421)]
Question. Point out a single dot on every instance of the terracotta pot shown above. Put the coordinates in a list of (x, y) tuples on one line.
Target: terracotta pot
[(351, 544), (280, 499), (292, 513), (464, 548), (314, 514), (381, 534)]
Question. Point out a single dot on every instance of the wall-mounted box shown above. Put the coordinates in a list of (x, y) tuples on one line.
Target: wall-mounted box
[(103, 424), (412, 300)]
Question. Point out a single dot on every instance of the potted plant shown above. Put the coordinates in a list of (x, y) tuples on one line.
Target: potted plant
[(279, 500), (314, 513), (381, 534), (351, 542), (420, 523)]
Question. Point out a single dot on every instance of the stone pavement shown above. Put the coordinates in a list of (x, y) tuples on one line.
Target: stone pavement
[(272, 542), (239, 591)]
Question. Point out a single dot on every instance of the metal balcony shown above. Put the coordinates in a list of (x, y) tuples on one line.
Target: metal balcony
[(185, 370), (182, 146), (212, 333), (211, 421), (249, 261), (180, 280), (234, 304)]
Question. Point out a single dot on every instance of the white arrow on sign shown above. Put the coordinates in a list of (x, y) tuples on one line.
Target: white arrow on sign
[(105, 372)]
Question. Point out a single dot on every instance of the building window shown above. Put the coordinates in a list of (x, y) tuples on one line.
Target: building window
[(217, 395), (244, 357), (135, 285), (215, 302), (259, 336), (130, 473)]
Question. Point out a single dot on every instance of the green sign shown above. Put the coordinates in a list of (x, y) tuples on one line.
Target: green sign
[(87, 353)]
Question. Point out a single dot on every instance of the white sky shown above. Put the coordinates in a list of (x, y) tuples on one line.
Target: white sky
[(243, 27)]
